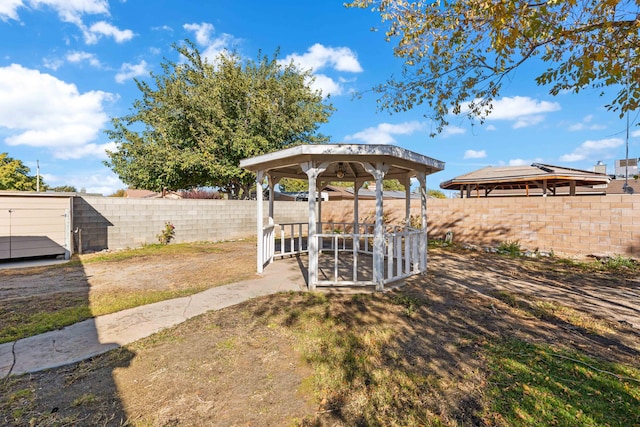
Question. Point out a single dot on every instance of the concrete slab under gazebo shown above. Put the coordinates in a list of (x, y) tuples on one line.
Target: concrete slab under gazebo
[(396, 251)]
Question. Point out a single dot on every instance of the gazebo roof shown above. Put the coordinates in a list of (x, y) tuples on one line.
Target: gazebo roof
[(520, 177), (348, 158)]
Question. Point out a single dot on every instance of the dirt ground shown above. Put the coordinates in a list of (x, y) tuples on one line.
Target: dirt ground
[(229, 262), (240, 367)]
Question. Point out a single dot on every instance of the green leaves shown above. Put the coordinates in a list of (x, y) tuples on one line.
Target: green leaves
[(195, 123), (457, 53), (14, 175)]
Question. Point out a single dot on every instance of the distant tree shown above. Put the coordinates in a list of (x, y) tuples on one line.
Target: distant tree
[(458, 53), (293, 185), (392, 185), (290, 185), (64, 189), (200, 119), (199, 193), (119, 193), (14, 175), (436, 194)]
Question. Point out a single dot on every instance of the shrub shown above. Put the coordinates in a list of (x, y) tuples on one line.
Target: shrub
[(511, 248), (167, 234)]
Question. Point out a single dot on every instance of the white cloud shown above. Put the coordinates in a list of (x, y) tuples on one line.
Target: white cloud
[(39, 110), (102, 28), (129, 71), (218, 46), (105, 183), (635, 133), (213, 47), (202, 31), (68, 10), (526, 121), (452, 130), (88, 150), (319, 57), (78, 56), (490, 128), (473, 154), (52, 63), (71, 11), (384, 132), (326, 85), (9, 9), (521, 110), (585, 124), (588, 149), (100, 183), (519, 162)]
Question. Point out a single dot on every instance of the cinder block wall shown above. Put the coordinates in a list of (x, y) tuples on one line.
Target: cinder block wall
[(114, 222), (567, 225)]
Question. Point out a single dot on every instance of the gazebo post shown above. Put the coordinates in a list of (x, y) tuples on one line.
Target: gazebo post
[(319, 191), (378, 236), (312, 173), (407, 198), (422, 179), (272, 181), (357, 184), (259, 220)]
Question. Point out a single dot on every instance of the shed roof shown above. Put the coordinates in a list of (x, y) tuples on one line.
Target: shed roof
[(522, 177), (349, 158)]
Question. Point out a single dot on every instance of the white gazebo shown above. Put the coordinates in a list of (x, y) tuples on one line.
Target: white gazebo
[(395, 252)]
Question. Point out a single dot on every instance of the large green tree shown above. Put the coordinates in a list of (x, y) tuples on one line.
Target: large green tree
[(458, 53), (15, 175), (197, 121)]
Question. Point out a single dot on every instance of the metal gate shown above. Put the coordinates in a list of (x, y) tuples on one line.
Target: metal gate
[(34, 231)]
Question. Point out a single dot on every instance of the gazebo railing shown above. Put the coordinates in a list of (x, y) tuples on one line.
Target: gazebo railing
[(291, 239), (402, 256), (268, 244), (360, 268)]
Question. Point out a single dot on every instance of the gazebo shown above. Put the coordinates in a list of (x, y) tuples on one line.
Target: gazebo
[(535, 180), (396, 252)]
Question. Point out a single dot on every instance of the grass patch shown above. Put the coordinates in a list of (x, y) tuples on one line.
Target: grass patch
[(549, 310), (361, 375), (19, 320), (154, 250), (111, 302), (615, 264), (510, 247), (378, 370), (553, 311), (27, 316), (533, 385)]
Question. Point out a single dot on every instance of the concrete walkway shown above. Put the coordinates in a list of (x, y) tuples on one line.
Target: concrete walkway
[(103, 333)]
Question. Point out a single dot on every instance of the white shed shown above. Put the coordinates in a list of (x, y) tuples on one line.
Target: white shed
[(35, 224)]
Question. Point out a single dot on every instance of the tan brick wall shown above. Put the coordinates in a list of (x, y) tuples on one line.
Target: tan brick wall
[(567, 225)]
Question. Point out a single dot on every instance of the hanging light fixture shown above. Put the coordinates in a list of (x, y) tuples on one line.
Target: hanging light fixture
[(340, 172)]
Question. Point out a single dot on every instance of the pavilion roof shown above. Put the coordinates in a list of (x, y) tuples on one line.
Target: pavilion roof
[(348, 158), (522, 177)]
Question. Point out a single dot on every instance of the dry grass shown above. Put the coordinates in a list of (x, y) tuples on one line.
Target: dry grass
[(440, 351)]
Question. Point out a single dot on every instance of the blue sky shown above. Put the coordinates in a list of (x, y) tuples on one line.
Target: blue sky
[(67, 67)]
